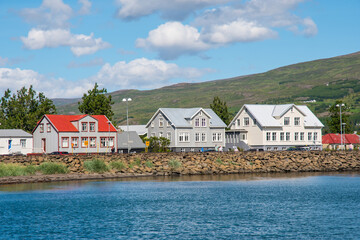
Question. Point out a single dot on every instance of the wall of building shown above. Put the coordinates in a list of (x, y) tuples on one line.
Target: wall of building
[(16, 146)]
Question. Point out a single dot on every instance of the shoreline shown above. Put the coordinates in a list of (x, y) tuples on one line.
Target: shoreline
[(13, 180)]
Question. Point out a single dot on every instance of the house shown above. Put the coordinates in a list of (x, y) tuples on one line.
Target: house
[(333, 141), (15, 141), (135, 143), (74, 134), (274, 127), (189, 129), (139, 129)]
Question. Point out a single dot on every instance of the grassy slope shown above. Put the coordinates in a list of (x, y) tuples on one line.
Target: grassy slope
[(324, 80)]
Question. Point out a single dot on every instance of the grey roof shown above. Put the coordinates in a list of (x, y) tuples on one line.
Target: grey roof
[(266, 115), (135, 140), (14, 133), (179, 117), (140, 129)]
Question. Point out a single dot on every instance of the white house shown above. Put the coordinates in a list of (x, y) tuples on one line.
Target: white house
[(274, 127), (189, 129), (15, 141)]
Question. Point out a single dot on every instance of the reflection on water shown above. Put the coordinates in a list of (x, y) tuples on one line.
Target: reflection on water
[(228, 177)]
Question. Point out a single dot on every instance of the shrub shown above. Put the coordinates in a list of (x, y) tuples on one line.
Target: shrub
[(52, 168), (30, 170), (118, 165), (149, 164), (96, 166), (11, 169), (174, 164)]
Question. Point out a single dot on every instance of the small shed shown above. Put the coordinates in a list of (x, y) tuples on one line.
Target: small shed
[(333, 141), (15, 141), (135, 143)]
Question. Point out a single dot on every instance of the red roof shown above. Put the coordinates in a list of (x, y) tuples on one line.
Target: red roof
[(63, 123), (335, 138)]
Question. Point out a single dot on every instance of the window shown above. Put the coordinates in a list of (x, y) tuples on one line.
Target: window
[(246, 121), (197, 122), (309, 136), (301, 136), (92, 127), (296, 137), (200, 113), (92, 142), (84, 127), (168, 124), (111, 142), (23, 143), (297, 121), (41, 127), (161, 122), (214, 137), (282, 136), (274, 136), (238, 122), (152, 134), (268, 136), (197, 137), (75, 142), (184, 137), (254, 121), (243, 136), (65, 142), (160, 134), (286, 121), (192, 150), (106, 141), (168, 135), (287, 136), (84, 140), (218, 137), (103, 142), (315, 136), (275, 148), (48, 127), (203, 137), (182, 150), (203, 122), (152, 124)]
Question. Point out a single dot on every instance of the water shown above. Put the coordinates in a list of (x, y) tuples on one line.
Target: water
[(281, 206)]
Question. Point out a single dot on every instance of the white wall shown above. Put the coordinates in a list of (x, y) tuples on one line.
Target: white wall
[(15, 145)]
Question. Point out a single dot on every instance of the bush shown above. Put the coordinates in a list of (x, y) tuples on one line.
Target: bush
[(149, 164), (11, 169), (96, 166), (118, 165), (52, 168), (174, 164)]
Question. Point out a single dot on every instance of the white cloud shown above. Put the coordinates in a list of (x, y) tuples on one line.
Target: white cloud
[(80, 44), (51, 14), (247, 21), (173, 39), (174, 9), (85, 8), (237, 31), (140, 73), (143, 73)]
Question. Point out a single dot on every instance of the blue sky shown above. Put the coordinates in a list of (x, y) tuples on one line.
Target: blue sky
[(62, 47)]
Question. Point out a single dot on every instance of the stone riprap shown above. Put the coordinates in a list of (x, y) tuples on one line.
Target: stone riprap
[(163, 164)]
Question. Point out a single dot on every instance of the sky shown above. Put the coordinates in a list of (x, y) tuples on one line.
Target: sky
[(62, 47)]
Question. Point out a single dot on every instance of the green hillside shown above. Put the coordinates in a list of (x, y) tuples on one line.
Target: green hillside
[(324, 80)]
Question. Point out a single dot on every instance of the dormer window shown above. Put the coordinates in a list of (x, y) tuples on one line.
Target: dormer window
[(254, 122), (48, 127), (197, 122), (92, 127), (161, 122), (41, 127), (286, 121), (84, 127), (203, 122), (297, 121), (246, 121)]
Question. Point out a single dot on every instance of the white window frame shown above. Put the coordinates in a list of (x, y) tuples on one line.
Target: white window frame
[(160, 134), (203, 137), (203, 122), (168, 135), (197, 122), (238, 122), (287, 136), (161, 122), (273, 136), (296, 121), (315, 136), (197, 137), (286, 121), (296, 136), (268, 136), (184, 137), (302, 136), (23, 143), (309, 136), (282, 136), (246, 121)]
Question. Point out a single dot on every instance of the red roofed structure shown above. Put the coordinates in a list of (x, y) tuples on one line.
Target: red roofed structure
[(333, 140), (74, 133)]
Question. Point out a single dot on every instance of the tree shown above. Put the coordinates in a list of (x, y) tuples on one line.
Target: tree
[(334, 118), (221, 110), (96, 103), (24, 109), (158, 144)]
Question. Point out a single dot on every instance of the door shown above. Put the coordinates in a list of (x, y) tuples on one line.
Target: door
[(43, 145)]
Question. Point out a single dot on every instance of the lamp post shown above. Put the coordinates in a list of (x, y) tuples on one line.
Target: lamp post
[(108, 141), (341, 140), (127, 100)]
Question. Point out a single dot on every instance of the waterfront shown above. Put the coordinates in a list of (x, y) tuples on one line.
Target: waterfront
[(301, 206)]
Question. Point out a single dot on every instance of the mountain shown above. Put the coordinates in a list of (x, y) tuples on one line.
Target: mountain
[(322, 80)]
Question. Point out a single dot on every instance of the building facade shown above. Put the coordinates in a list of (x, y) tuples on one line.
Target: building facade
[(274, 127), (15, 141), (74, 134), (189, 129)]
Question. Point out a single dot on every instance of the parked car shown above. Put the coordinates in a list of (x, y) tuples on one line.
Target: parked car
[(298, 149), (59, 153)]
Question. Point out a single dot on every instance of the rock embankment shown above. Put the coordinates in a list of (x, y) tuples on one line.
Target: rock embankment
[(164, 164)]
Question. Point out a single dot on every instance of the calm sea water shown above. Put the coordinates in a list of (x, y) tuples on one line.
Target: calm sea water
[(301, 206)]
